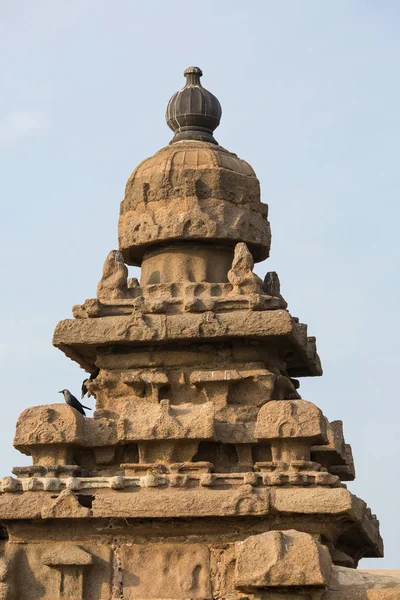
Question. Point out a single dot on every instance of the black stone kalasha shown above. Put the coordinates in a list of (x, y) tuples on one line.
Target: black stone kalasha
[(193, 112)]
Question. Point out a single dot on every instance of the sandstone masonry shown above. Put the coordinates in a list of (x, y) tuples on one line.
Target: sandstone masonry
[(203, 473)]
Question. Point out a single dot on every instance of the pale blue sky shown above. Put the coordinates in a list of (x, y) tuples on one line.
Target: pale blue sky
[(310, 95)]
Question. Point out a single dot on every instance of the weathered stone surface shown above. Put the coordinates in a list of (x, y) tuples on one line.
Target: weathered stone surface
[(192, 190), (343, 578), (271, 284), (334, 449), (20, 506), (291, 427), (176, 270), (336, 455), (80, 338), (69, 580), (64, 506), (163, 421), (346, 472), (50, 424), (137, 328), (114, 282), (291, 419), (281, 559), (351, 584), (241, 275), (177, 571), (175, 294), (173, 502), (101, 431), (338, 501), (317, 501), (156, 495), (68, 556), (193, 470), (227, 389), (357, 594)]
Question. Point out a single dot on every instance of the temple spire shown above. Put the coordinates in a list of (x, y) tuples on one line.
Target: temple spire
[(193, 112)]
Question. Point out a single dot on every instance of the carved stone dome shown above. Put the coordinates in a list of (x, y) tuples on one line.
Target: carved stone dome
[(193, 190)]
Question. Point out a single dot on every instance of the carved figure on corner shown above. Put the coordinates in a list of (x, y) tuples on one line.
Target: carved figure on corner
[(241, 275), (114, 282)]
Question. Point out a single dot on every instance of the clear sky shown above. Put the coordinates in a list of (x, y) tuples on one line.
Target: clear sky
[(310, 93)]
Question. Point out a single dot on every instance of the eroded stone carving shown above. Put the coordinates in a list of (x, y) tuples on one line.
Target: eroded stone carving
[(114, 282), (241, 275), (65, 505), (51, 424), (178, 570), (281, 559), (291, 427), (166, 421)]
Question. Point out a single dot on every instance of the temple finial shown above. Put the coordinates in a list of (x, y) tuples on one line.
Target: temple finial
[(193, 112), (193, 75)]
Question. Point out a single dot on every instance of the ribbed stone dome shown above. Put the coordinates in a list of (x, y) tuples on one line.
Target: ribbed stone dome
[(193, 112), (193, 190)]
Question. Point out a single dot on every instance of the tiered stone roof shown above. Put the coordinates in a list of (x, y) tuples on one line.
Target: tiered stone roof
[(203, 473)]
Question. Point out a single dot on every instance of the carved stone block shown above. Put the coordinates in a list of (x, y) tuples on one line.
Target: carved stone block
[(281, 559), (49, 434), (234, 386), (291, 427), (336, 455), (49, 424), (70, 562), (148, 421), (177, 571)]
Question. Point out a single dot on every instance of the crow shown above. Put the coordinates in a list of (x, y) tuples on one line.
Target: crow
[(84, 389), (74, 402)]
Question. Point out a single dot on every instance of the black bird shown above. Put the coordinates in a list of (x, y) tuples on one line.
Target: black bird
[(84, 389), (74, 402)]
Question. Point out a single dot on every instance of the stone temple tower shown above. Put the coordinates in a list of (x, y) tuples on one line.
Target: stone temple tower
[(203, 473)]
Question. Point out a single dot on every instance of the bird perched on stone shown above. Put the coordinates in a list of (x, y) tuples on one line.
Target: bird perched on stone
[(74, 402), (84, 388)]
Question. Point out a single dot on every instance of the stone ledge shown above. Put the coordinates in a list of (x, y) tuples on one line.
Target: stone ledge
[(79, 338), (150, 497)]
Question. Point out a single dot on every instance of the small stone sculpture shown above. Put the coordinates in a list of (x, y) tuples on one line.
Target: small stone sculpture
[(114, 282), (241, 275), (272, 285)]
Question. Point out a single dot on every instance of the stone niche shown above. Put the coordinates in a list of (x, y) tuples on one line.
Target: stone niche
[(59, 571)]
